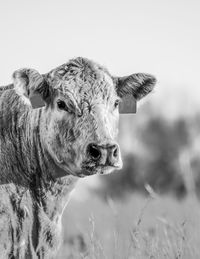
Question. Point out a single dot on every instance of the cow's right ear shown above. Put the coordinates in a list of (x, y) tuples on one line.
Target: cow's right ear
[(32, 85)]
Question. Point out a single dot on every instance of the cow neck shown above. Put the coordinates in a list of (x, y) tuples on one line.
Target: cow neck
[(50, 192)]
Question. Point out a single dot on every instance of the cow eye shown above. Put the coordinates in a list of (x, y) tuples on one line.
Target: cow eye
[(61, 105), (116, 104)]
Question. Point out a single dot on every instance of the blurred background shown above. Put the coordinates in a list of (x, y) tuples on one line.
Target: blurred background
[(141, 211)]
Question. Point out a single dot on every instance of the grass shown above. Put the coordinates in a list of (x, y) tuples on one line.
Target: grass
[(139, 227)]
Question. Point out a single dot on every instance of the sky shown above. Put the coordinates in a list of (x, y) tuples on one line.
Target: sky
[(161, 37)]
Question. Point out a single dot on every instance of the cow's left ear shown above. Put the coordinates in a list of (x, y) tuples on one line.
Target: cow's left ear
[(30, 84), (138, 85)]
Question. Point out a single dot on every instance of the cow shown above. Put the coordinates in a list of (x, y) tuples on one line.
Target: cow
[(44, 151)]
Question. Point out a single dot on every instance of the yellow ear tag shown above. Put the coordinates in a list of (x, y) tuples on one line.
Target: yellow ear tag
[(36, 100), (128, 105)]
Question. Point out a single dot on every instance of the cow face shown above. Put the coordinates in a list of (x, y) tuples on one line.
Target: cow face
[(79, 123)]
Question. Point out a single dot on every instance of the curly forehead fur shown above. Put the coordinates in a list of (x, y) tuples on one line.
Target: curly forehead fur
[(82, 77)]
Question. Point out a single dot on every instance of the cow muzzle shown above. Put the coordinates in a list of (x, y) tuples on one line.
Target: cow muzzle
[(104, 155)]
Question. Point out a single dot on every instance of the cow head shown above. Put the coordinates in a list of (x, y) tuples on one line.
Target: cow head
[(79, 123)]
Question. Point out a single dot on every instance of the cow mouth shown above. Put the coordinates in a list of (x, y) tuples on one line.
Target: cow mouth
[(89, 168), (99, 169)]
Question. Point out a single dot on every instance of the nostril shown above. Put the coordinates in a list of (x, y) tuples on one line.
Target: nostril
[(93, 151), (115, 151)]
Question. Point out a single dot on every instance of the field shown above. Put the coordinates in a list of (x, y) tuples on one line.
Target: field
[(136, 227)]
